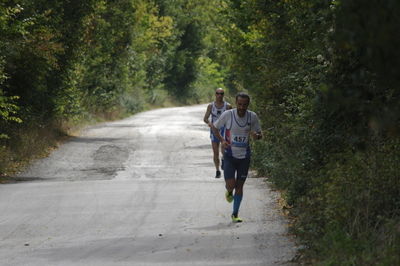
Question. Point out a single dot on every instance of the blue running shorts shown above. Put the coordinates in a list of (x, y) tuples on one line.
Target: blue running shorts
[(238, 166)]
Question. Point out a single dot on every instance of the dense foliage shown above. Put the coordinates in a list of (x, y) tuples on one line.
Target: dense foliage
[(63, 62), (322, 76)]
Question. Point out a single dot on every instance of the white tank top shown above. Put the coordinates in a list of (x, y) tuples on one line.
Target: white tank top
[(238, 135), (238, 131), (216, 112)]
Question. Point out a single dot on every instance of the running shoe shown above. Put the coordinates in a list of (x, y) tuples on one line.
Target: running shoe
[(218, 174), (236, 219), (228, 196)]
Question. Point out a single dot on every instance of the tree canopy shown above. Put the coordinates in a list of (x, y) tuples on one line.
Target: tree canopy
[(322, 76)]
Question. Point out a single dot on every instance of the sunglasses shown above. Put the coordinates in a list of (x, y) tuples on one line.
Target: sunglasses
[(220, 93)]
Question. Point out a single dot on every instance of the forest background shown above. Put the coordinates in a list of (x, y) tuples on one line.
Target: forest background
[(323, 76)]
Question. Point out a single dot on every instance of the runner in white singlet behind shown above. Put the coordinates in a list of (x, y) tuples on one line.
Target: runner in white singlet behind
[(239, 125), (214, 111)]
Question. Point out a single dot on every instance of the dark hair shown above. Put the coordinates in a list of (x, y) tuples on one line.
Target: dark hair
[(242, 95)]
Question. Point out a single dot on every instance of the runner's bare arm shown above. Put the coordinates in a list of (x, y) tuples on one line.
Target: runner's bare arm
[(256, 135), (207, 115)]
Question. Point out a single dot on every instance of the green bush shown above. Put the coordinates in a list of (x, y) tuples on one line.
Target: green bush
[(324, 88)]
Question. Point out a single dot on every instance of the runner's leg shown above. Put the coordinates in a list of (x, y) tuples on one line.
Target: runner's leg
[(215, 147), (237, 198), (222, 132), (229, 175), (242, 173)]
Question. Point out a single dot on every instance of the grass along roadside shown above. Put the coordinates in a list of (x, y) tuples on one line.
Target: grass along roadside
[(27, 144), (34, 140)]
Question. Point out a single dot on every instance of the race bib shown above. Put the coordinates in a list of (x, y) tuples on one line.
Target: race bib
[(240, 140)]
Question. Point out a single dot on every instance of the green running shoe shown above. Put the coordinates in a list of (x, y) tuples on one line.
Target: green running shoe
[(236, 219), (228, 196)]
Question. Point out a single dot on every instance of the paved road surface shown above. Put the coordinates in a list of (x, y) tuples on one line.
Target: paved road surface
[(139, 191)]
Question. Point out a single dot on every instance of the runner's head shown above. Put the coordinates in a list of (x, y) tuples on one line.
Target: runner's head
[(242, 103), (219, 94)]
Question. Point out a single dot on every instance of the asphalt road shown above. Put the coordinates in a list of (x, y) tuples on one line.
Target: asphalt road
[(139, 191)]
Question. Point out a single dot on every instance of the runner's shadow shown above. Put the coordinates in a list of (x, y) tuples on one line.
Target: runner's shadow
[(217, 227)]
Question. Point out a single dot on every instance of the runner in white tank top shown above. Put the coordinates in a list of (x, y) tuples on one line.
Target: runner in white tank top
[(237, 132), (240, 124), (214, 111)]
